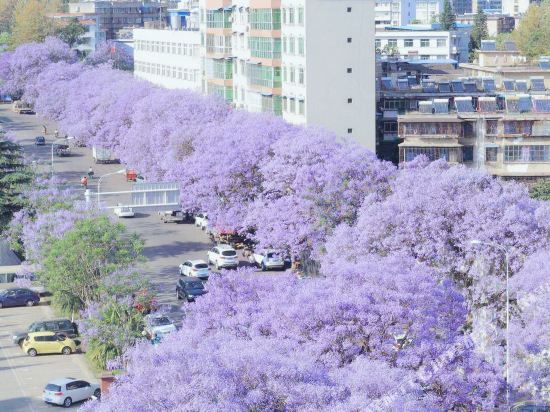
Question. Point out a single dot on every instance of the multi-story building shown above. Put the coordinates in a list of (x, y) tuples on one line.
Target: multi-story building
[(426, 42), (517, 8), (112, 16), (394, 12), (462, 6), (427, 11), (497, 23), (488, 6), (310, 61), (507, 134), (93, 36), (169, 55)]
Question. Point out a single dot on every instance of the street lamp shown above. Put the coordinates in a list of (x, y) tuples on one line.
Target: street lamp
[(504, 250), (118, 172), (54, 143)]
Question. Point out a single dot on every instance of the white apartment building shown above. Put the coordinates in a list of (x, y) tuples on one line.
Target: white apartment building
[(169, 58), (427, 11), (426, 44), (516, 8), (394, 12), (310, 61)]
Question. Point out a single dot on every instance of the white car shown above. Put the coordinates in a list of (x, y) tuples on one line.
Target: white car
[(67, 391), (268, 259), (223, 256), (201, 219), (195, 268), (156, 324), (124, 211)]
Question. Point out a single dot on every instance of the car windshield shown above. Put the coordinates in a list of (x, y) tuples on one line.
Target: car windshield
[(33, 327), (160, 321), (201, 266), (272, 255), (194, 285), (3, 292), (229, 253), (53, 388)]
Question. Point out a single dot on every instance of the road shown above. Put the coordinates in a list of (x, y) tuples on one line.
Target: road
[(166, 246)]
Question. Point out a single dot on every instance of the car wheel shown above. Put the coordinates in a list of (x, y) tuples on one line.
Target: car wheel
[(20, 342), (97, 394), (0, 305), (32, 352), (30, 302), (67, 402), (66, 350), (217, 267), (178, 295)]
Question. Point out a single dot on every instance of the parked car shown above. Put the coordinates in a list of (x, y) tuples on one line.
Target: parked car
[(124, 211), (158, 325), (176, 216), (40, 141), (67, 391), (18, 297), (59, 326), (223, 256), (189, 288), (201, 219), (268, 259), (198, 268), (38, 343)]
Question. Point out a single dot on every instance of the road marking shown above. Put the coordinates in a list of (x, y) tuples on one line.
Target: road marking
[(16, 378)]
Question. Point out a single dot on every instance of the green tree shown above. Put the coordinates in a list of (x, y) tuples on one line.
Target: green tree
[(76, 266), (532, 36), (70, 33), (541, 191), (31, 23), (14, 174), (479, 32), (447, 18)]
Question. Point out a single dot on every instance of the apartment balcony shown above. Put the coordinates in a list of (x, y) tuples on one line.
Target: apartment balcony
[(265, 4)]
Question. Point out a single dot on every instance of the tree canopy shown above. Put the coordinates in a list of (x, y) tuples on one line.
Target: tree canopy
[(447, 18), (532, 36)]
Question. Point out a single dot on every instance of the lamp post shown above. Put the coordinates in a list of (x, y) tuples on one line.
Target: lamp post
[(118, 172), (504, 250), (56, 142)]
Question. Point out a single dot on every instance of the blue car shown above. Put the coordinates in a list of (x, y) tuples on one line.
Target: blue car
[(18, 297)]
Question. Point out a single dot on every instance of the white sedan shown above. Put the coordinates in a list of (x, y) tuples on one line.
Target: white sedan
[(124, 211), (67, 391), (158, 325), (195, 268)]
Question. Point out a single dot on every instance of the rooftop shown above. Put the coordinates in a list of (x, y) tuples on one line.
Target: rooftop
[(426, 27)]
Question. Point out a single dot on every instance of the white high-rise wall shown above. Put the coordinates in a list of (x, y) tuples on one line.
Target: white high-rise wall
[(516, 7), (333, 83), (427, 11), (169, 58), (393, 12)]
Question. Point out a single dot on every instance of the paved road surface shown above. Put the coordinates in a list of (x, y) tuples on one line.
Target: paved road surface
[(166, 246)]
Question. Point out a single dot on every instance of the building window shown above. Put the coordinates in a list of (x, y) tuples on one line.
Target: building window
[(408, 43), (350, 100), (491, 154), (301, 107), (285, 103), (292, 105), (301, 51), (350, 131), (292, 75), (284, 15), (291, 15), (441, 42), (283, 40), (424, 57), (349, 39), (291, 49), (392, 42), (468, 153), (301, 75), (301, 16), (424, 42), (349, 9), (284, 74), (349, 70), (377, 43)]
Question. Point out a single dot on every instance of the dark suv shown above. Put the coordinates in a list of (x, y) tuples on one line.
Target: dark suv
[(60, 326), (189, 288), (18, 297)]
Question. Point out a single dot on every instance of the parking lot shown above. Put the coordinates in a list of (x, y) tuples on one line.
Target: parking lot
[(166, 247)]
